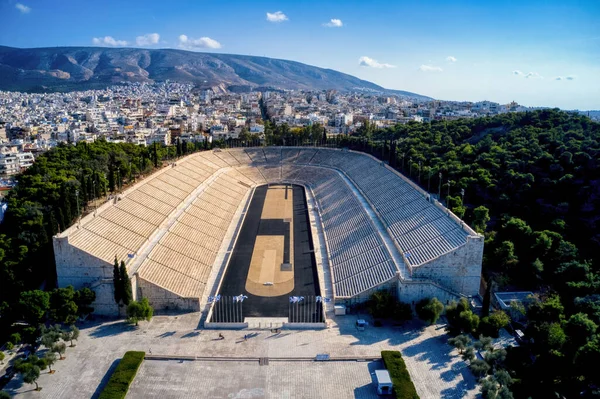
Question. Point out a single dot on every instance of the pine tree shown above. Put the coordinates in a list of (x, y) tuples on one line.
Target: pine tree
[(127, 296)]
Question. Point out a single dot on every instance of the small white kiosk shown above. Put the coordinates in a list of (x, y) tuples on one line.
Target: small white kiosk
[(384, 382)]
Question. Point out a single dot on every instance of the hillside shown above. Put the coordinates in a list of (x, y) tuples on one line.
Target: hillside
[(80, 68)]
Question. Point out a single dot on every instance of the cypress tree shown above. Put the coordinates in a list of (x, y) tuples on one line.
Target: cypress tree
[(487, 297), (127, 296), (117, 282), (155, 155), (179, 148)]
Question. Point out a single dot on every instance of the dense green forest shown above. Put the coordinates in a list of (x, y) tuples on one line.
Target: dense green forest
[(52, 194), (529, 181)]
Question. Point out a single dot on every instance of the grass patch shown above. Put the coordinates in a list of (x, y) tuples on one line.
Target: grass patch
[(403, 385), (121, 378)]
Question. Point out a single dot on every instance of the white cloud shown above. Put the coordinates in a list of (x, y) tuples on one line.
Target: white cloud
[(277, 16), (23, 8), (147, 40), (528, 75), (334, 23), (533, 75), (370, 62), (451, 59), (203, 42), (430, 68), (108, 41), (570, 77)]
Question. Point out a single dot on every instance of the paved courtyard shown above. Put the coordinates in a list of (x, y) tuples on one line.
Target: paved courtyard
[(435, 368), (278, 380)]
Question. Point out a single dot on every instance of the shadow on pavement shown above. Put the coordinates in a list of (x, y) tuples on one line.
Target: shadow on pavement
[(191, 334), (166, 334), (105, 379), (458, 391), (107, 330), (392, 334), (369, 390), (432, 350)]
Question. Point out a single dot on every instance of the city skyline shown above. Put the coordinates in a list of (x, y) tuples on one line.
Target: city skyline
[(538, 54)]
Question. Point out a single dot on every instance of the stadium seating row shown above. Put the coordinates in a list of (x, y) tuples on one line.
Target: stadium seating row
[(182, 260)]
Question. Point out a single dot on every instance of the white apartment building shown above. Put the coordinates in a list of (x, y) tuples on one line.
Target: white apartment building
[(12, 161)]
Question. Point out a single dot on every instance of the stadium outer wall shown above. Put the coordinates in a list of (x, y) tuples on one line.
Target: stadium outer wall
[(449, 276)]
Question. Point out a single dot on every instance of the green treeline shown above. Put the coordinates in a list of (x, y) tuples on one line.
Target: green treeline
[(52, 194), (531, 183)]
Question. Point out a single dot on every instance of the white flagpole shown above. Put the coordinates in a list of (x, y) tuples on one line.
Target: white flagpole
[(229, 311)]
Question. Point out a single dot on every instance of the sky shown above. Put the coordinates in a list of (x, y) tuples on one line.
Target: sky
[(537, 53)]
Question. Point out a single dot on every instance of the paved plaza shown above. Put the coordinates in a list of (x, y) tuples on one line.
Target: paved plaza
[(278, 380), (434, 366)]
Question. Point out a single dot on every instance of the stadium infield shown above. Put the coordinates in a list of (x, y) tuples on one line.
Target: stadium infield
[(273, 259)]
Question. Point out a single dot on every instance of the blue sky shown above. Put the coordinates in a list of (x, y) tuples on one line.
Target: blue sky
[(540, 53)]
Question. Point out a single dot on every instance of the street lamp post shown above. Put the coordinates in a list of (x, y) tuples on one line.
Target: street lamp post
[(440, 186)]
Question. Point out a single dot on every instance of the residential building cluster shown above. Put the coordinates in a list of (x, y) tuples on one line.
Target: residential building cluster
[(144, 114)]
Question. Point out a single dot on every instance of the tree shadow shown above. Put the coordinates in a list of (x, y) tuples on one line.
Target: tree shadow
[(191, 334), (105, 379), (431, 350), (278, 335), (369, 390), (108, 330), (459, 391), (467, 381), (14, 385), (166, 334), (393, 334)]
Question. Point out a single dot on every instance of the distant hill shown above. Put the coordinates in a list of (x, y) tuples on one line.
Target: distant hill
[(81, 68)]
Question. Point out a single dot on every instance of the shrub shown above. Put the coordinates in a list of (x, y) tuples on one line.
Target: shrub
[(479, 367), (468, 354), (429, 310), (382, 305), (402, 312), (9, 346), (491, 325), (460, 317), (460, 342), (137, 311), (403, 385), (121, 378), (15, 338)]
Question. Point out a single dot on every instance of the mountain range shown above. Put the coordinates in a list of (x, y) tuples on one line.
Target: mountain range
[(82, 68)]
